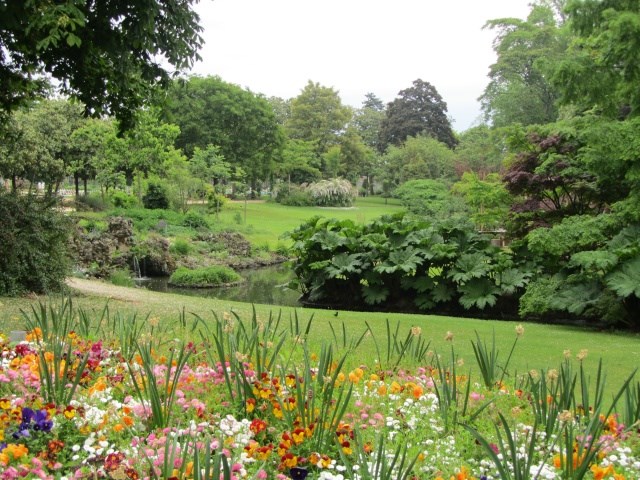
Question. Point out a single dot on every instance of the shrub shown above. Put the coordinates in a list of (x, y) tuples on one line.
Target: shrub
[(90, 202), (34, 239), (156, 197), (336, 192), (122, 278), (195, 220), (180, 247), (215, 275), (429, 198), (121, 199), (294, 196)]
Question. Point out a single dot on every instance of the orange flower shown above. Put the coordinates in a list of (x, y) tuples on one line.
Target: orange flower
[(599, 473)]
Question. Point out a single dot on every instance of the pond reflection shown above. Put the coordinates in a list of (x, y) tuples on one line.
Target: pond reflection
[(266, 285)]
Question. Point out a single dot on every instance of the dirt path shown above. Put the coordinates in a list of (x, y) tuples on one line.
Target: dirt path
[(108, 290)]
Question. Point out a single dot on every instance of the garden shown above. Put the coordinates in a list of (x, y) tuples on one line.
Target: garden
[(89, 393)]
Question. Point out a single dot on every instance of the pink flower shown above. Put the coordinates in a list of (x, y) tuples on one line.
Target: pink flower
[(262, 475)]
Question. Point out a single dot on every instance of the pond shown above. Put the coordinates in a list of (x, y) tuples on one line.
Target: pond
[(266, 285)]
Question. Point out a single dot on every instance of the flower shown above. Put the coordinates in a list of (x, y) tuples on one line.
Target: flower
[(519, 331), (449, 336)]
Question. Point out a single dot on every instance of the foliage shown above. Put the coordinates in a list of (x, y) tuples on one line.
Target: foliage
[(121, 278), (336, 192), (241, 124), (156, 197), (487, 198), (481, 150), (403, 263), (601, 68), (212, 276), (121, 199), (293, 196), (519, 90), (429, 198), (194, 219), (418, 158), (317, 115), (37, 143), (33, 245), (418, 110), (109, 55)]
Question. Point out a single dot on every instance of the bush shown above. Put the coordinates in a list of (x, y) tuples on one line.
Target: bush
[(34, 239), (121, 199), (294, 196), (212, 276), (195, 220), (122, 278), (93, 203), (336, 192), (156, 197), (180, 247)]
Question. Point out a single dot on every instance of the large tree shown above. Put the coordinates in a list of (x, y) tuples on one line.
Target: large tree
[(602, 68), (520, 90), (417, 110), (108, 53), (317, 115), (368, 119), (210, 111)]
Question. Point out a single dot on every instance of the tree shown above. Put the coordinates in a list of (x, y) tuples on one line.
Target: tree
[(317, 115), (419, 158), (520, 88), (38, 141), (368, 119), (481, 150), (89, 144), (487, 198), (300, 162), (111, 54), (602, 68), (210, 111), (418, 110)]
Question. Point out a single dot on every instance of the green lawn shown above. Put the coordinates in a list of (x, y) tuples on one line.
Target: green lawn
[(541, 347), (266, 221)]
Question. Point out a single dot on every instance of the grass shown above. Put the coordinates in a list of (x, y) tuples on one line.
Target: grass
[(266, 221), (541, 347)]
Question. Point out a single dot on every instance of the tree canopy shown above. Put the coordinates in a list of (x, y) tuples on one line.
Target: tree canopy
[(417, 110), (110, 54)]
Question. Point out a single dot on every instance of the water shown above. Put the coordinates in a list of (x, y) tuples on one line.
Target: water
[(266, 285)]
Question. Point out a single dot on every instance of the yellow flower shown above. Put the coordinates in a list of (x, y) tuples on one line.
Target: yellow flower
[(449, 336), (519, 330)]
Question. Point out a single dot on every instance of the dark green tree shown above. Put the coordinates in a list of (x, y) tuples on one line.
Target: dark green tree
[(418, 110), (110, 54)]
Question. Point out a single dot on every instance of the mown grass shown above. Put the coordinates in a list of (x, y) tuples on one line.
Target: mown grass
[(267, 221), (541, 347)]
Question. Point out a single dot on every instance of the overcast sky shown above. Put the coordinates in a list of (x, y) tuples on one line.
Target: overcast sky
[(274, 47)]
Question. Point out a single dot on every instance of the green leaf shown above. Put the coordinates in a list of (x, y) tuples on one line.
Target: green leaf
[(419, 283), (512, 279), (374, 294), (442, 293), (344, 263), (470, 265), (626, 281), (404, 260), (478, 292), (593, 260)]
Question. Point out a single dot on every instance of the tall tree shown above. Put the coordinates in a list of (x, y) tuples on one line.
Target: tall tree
[(110, 54), (520, 88), (210, 111), (602, 68), (481, 150), (317, 115), (417, 110), (37, 142), (368, 119)]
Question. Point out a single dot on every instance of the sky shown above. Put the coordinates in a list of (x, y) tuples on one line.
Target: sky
[(274, 47)]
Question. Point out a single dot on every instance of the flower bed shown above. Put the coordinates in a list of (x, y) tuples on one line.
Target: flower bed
[(115, 398)]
